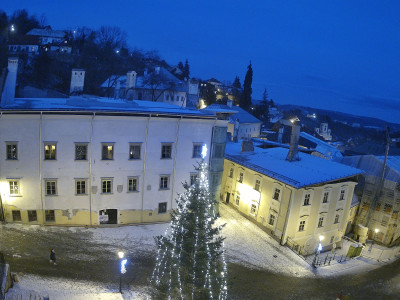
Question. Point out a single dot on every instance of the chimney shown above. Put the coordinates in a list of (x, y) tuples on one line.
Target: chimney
[(294, 141), (157, 70), (229, 102), (145, 72), (247, 146), (8, 94), (77, 81), (131, 80)]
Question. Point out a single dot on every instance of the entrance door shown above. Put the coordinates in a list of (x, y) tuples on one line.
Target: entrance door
[(228, 195), (108, 216)]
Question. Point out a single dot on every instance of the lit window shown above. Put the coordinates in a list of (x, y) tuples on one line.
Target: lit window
[(162, 207), (320, 221), (257, 185), (302, 225), (277, 192), (197, 150), (166, 150), (51, 187), (80, 151), (388, 208), (14, 188), (132, 184), (271, 220), (164, 182), (341, 195), (325, 199), (80, 187), (336, 219), (12, 151), (107, 152), (134, 151), (106, 186), (50, 151), (307, 199), (193, 178)]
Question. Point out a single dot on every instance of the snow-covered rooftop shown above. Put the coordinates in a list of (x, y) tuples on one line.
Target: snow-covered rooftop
[(238, 113), (47, 32), (309, 170), (99, 104)]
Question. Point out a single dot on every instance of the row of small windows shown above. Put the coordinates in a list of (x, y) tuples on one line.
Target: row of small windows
[(106, 185), (107, 151), (320, 222), (177, 97)]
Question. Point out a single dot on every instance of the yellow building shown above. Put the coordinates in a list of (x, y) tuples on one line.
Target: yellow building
[(301, 202)]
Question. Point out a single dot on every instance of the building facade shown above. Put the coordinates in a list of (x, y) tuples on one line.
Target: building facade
[(301, 202)]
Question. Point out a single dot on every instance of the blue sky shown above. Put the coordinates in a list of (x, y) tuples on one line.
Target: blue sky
[(338, 55)]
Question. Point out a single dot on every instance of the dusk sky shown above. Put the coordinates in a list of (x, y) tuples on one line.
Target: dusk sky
[(337, 55)]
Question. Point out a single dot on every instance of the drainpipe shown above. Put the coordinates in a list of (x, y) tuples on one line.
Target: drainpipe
[(90, 170), (2, 215), (144, 167), (283, 238), (174, 167), (40, 166)]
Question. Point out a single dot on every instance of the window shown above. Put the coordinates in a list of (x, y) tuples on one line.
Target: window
[(332, 237), (336, 219), (197, 150), (134, 151), (307, 199), (320, 222), (12, 151), (80, 151), (162, 207), (241, 178), (277, 192), (164, 182), (325, 198), (237, 201), (231, 173), (219, 150), (14, 188), (32, 215), (50, 151), (257, 185), (80, 187), (253, 209), (132, 184), (50, 216), (16, 214), (302, 225), (166, 150), (107, 151), (106, 186), (341, 195), (378, 206), (271, 220), (215, 178), (388, 208), (51, 187), (193, 178)]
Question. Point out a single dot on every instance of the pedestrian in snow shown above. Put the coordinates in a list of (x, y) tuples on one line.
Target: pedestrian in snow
[(52, 256)]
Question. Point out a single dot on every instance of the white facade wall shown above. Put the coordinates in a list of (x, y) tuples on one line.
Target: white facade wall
[(31, 131), (247, 130)]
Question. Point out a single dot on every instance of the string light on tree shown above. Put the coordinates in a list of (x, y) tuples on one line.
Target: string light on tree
[(190, 260)]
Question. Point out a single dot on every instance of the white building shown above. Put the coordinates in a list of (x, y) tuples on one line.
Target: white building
[(89, 161), (324, 131)]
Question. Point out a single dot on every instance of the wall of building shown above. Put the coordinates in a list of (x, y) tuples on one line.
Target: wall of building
[(30, 132), (289, 209), (249, 130)]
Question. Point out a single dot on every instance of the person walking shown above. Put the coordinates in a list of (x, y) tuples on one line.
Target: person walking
[(53, 256)]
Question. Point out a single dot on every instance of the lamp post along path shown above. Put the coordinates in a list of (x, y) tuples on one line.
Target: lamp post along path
[(122, 269)]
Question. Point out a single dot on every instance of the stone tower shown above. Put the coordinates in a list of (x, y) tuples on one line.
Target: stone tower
[(8, 94), (77, 81)]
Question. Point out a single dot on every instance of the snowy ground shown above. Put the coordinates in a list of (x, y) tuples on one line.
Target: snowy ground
[(245, 244)]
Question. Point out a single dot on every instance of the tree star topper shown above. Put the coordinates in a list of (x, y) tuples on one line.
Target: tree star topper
[(204, 151)]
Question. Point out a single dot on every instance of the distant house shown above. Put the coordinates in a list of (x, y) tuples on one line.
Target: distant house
[(47, 35), (159, 85), (384, 225), (301, 202), (25, 44), (324, 131), (242, 124)]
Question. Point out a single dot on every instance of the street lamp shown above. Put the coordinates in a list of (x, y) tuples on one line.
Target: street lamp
[(122, 270)]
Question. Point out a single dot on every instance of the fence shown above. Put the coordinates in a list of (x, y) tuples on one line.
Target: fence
[(296, 248), (324, 260)]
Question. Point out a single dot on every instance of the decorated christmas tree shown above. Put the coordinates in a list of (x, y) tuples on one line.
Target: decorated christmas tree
[(190, 262)]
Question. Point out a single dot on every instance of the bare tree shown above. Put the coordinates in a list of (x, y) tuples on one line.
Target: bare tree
[(158, 83)]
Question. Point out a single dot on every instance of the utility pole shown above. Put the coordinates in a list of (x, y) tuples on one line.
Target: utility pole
[(378, 189)]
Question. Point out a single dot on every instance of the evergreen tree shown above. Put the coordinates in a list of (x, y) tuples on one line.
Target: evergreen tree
[(207, 92), (190, 261), (265, 95), (245, 100), (236, 90), (186, 70)]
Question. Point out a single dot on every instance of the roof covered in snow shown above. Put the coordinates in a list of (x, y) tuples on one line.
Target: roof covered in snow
[(99, 104), (329, 151), (239, 113), (47, 32), (309, 170)]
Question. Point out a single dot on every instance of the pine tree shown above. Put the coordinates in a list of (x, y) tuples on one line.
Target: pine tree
[(186, 70), (190, 261), (245, 100)]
